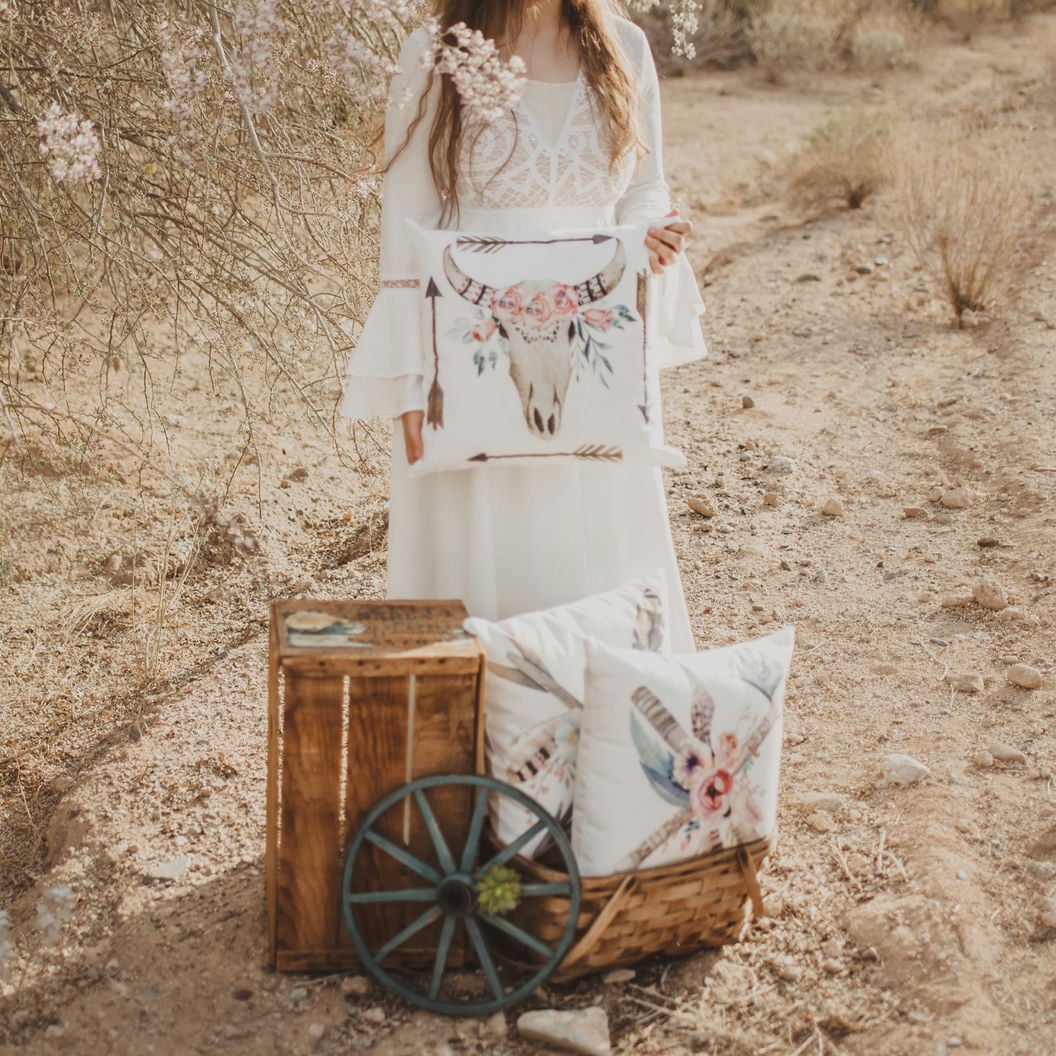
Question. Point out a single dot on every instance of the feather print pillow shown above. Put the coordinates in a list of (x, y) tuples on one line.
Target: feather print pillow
[(538, 348), (533, 692), (679, 753)]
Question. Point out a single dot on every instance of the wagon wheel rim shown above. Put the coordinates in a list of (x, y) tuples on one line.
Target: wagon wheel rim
[(446, 890)]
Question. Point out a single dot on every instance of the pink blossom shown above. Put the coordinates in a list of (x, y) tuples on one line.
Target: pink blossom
[(507, 305), (599, 318), (711, 795), (563, 299), (486, 85), (539, 311), (485, 329), (690, 768), (70, 145), (728, 745)]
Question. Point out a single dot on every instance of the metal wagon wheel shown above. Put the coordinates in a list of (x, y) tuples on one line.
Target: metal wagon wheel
[(457, 886)]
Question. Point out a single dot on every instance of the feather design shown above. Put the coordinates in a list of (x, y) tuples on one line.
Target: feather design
[(649, 623), (529, 670), (657, 764), (757, 669), (702, 714), (670, 828), (652, 709), (533, 752)]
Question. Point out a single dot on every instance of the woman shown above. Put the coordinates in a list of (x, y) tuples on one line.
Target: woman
[(581, 148)]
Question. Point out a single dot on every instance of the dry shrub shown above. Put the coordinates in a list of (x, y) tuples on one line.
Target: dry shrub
[(967, 17), (966, 205), (882, 38), (805, 34), (844, 162)]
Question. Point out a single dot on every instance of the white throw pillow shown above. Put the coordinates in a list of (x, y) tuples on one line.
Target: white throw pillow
[(539, 348), (679, 754), (533, 692)]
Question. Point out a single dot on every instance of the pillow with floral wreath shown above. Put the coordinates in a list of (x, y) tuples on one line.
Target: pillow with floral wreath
[(537, 347), (679, 752)]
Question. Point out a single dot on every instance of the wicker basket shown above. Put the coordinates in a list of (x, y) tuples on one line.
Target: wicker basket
[(669, 909)]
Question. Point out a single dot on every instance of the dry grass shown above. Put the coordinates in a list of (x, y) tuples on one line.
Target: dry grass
[(882, 38), (966, 206), (797, 34), (845, 161)]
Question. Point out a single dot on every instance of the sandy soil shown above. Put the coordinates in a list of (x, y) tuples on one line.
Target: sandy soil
[(903, 920)]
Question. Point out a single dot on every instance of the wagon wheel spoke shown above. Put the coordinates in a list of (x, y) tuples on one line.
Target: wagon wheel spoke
[(447, 933), (485, 958), (513, 849), (408, 932), (416, 865), (518, 934), (542, 890), (443, 852), (476, 826), (411, 894)]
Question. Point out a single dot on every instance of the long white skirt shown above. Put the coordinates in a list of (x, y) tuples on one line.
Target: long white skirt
[(513, 539)]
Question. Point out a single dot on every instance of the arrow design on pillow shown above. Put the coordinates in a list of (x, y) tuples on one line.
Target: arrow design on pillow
[(435, 403), (492, 244), (642, 304)]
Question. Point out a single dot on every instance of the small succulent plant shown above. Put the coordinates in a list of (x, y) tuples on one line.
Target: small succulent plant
[(499, 890)]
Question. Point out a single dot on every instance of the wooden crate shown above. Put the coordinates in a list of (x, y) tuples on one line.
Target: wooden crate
[(363, 696)]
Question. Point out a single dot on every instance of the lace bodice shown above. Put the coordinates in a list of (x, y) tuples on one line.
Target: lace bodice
[(512, 163)]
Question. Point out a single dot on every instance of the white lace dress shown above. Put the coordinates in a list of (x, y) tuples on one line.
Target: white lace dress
[(512, 539)]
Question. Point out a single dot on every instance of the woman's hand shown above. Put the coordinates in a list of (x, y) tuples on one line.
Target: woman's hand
[(665, 243), (412, 434)]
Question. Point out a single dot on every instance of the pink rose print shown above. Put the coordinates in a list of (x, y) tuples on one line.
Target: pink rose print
[(506, 305), (538, 311), (485, 329), (728, 749), (600, 318), (710, 797), (563, 299)]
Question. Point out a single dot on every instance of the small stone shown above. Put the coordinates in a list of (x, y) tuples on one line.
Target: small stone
[(791, 973), (781, 464), (865, 269), (953, 1042), (1005, 753), (832, 966), (54, 1030), (821, 822), (173, 871), (827, 802), (298, 993), (989, 594), (375, 1015), (242, 994), (300, 473), (968, 682), (821, 576), (831, 948), (1013, 613), (914, 513), (809, 276), (1044, 871), (702, 505), (956, 499), (495, 1025), (583, 1030), (355, 986), (983, 759), (940, 642), (899, 769), (832, 508), (772, 498), (1024, 676), (987, 542), (747, 402), (619, 975), (316, 1031), (955, 601), (859, 864)]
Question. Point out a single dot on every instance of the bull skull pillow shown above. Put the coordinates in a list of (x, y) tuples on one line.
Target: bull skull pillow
[(537, 347), (679, 753)]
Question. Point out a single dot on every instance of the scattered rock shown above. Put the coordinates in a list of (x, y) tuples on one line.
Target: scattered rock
[(821, 822), (355, 986), (832, 966), (1015, 612), (989, 594), (772, 498), (899, 769), (859, 864), (1047, 912), (1004, 753), (956, 499), (583, 1030), (495, 1025), (827, 802), (1044, 871), (967, 682), (1044, 846), (955, 601), (316, 1031), (914, 513), (821, 576), (832, 508), (701, 504), (983, 759), (298, 474), (619, 975), (781, 465), (831, 948), (747, 402), (298, 994), (173, 871), (375, 1015), (1024, 676), (809, 276)]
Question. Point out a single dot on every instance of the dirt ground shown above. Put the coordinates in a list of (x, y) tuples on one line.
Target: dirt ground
[(902, 919)]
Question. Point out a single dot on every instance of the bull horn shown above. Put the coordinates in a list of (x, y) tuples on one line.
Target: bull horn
[(473, 291), (606, 280)]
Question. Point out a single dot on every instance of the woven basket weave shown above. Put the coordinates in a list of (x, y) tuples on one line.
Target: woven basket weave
[(669, 909)]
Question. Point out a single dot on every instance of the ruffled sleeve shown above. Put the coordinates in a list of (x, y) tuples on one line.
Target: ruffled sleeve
[(384, 372), (679, 338)]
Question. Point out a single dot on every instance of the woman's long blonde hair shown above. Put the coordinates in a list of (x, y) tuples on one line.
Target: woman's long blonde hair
[(604, 67)]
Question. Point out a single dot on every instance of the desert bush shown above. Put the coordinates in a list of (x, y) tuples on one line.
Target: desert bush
[(882, 37), (845, 160), (966, 205), (789, 34)]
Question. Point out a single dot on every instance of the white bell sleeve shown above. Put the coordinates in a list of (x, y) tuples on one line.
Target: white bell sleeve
[(648, 197), (384, 372)]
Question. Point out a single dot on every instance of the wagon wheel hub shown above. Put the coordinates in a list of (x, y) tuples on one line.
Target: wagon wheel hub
[(456, 897)]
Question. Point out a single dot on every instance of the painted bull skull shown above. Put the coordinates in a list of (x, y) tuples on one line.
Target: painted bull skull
[(538, 319)]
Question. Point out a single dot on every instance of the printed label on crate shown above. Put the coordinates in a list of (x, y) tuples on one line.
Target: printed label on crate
[(311, 629)]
